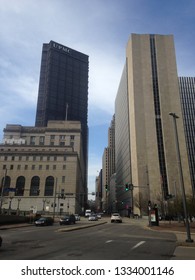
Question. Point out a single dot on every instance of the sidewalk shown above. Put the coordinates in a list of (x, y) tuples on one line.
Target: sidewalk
[(184, 250)]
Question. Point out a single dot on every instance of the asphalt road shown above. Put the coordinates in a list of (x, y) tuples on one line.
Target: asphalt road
[(103, 242)]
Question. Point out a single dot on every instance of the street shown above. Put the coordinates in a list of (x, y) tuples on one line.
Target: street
[(105, 242)]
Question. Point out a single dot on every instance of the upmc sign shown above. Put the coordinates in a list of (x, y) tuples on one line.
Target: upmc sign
[(60, 47)]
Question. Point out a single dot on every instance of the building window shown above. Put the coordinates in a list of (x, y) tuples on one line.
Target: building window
[(41, 140), (40, 167), (71, 137), (32, 140), (62, 137), (6, 185), (54, 167), (26, 167), (33, 167), (11, 167), (49, 186), (47, 167), (63, 179), (34, 187), (19, 167), (20, 184)]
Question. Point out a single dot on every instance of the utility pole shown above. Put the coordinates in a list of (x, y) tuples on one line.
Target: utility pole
[(181, 177)]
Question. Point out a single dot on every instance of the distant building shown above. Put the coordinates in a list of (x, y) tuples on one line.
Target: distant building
[(42, 168), (145, 143), (98, 191), (63, 89), (108, 164), (187, 93)]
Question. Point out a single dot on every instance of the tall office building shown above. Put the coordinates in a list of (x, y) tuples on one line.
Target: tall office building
[(146, 154), (108, 163), (187, 94), (63, 89)]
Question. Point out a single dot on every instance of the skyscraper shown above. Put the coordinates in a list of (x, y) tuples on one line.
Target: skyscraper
[(187, 93), (63, 88), (148, 92)]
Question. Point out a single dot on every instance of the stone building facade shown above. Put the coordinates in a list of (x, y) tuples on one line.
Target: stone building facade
[(42, 168)]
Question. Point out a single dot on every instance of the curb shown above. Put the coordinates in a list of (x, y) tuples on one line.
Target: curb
[(6, 227), (80, 227)]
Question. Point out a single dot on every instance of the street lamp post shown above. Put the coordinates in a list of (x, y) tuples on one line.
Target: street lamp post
[(181, 177), (10, 203), (18, 207)]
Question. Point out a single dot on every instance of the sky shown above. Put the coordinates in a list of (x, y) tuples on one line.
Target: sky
[(97, 28)]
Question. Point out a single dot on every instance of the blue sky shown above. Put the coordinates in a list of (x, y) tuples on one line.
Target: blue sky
[(98, 28)]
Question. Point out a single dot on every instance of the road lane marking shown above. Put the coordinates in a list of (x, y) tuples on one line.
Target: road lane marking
[(138, 244), (108, 241)]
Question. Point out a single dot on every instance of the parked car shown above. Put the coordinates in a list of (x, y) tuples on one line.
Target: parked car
[(116, 218), (93, 217), (44, 221), (67, 220), (99, 215), (1, 240), (77, 217)]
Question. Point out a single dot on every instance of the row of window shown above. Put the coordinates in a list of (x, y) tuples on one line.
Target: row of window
[(33, 158), (32, 167), (34, 189)]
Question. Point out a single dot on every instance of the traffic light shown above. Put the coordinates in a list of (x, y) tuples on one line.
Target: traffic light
[(126, 187), (106, 188)]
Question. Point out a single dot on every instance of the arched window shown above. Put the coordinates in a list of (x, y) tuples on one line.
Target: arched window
[(5, 185), (20, 184), (34, 186), (49, 186)]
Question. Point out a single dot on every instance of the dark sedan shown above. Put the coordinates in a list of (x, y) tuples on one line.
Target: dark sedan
[(67, 220), (44, 221)]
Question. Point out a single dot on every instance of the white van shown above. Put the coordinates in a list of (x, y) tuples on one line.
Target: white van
[(87, 212)]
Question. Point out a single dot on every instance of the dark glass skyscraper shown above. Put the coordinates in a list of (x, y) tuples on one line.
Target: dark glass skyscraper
[(63, 88)]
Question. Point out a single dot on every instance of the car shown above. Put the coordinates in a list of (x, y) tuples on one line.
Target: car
[(93, 217), (67, 220), (99, 215), (1, 240), (77, 217), (44, 221), (116, 218)]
